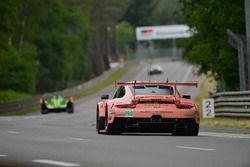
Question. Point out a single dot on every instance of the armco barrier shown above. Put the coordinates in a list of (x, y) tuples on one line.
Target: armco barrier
[(33, 102), (232, 104)]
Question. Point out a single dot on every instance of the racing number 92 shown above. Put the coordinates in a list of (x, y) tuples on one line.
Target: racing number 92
[(208, 108)]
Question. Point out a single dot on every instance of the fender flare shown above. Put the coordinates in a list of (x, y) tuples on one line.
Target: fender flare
[(197, 115), (102, 109)]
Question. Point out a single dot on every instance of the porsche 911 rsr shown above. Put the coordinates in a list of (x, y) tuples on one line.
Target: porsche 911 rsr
[(57, 104), (151, 107)]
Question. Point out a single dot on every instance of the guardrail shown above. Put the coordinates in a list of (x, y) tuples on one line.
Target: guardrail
[(232, 104), (29, 103)]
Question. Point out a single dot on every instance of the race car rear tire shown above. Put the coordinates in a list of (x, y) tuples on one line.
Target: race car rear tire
[(178, 132), (100, 124), (70, 108), (100, 121), (114, 128), (192, 128), (44, 109)]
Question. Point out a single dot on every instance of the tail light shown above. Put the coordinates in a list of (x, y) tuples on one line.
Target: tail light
[(71, 99), (41, 100), (125, 105), (184, 106)]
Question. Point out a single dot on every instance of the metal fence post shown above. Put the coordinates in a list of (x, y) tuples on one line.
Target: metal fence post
[(247, 18), (237, 43)]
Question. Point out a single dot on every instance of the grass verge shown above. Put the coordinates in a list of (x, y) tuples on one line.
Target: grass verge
[(242, 123), (21, 112), (111, 79), (10, 95)]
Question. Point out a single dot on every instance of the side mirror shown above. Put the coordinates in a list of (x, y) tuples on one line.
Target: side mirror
[(105, 97), (186, 96)]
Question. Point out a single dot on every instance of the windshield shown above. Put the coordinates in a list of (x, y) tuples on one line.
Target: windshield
[(152, 90)]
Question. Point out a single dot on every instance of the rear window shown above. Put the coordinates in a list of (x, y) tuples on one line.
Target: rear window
[(152, 90)]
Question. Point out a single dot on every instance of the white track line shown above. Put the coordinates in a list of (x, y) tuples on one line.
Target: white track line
[(31, 117), (3, 155), (187, 74), (195, 148), (140, 73), (185, 78), (52, 162), (79, 139), (14, 132), (225, 135)]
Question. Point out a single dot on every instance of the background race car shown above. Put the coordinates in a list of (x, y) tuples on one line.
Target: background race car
[(57, 104), (155, 69)]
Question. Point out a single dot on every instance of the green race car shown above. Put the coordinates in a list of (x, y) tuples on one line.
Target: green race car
[(57, 104)]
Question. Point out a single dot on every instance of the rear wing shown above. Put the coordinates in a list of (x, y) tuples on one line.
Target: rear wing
[(134, 83)]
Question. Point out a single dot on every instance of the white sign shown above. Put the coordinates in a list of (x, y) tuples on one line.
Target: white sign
[(163, 32), (208, 108)]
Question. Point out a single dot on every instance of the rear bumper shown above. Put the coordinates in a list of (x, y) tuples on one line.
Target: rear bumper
[(153, 125)]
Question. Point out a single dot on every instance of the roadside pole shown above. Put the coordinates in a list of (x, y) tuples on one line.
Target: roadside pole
[(247, 18), (237, 43)]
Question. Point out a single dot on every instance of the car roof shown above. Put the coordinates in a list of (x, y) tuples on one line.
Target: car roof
[(156, 67)]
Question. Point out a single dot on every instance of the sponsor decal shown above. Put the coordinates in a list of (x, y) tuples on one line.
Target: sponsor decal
[(147, 32), (129, 113)]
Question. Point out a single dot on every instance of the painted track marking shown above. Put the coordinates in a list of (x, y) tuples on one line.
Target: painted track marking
[(187, 74), (3, 155), (79, 139), (195, 148), (58, 163), (13, 132), (225, 135)]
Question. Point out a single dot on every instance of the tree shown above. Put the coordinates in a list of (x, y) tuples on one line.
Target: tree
[(52, 44), (209, 46), (139, 12), (167, 12), (125, 36), (104, 17), (62, 45), (17, 53)]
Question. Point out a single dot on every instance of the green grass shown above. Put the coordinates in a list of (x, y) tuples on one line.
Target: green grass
[(110, 80), (242, 123), (21, 112), (10, 95)]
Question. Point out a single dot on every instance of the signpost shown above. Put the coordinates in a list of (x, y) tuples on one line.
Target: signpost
[(162, 32), (151, 33), (208, 108)]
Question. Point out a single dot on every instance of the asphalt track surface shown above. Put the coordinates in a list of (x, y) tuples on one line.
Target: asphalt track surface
[(71, 140)]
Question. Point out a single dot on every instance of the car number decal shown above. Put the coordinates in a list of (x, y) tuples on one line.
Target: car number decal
[(129, 113)]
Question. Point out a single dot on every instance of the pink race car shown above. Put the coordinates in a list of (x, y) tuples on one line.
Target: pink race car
[(148, 107)]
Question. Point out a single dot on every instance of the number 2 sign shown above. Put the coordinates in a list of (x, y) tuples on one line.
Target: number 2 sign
[(208, 108)]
